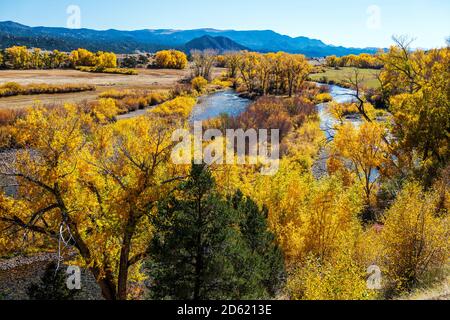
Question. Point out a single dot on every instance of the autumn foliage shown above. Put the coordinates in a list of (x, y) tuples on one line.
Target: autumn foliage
[(272, 73), (171, 59), (375, 193), (14, 89)]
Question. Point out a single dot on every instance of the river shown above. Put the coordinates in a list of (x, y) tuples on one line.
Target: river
[(222, 102), (229, 102), (327, 121)]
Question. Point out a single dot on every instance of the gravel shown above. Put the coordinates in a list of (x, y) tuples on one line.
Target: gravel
[(16, 274)]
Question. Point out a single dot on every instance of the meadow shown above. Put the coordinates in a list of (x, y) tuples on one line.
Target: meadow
[(341, 75)]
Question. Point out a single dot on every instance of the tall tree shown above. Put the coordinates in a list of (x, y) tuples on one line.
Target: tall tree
[(417, 87), (18, 57), (203, 62), (205, 247), (92, 185), (361, 151)]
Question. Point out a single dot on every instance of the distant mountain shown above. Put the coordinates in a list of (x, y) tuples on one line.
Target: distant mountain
[(221, 44), (64, 39)]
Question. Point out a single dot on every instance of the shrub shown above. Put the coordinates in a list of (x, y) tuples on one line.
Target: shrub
[(156, 98), (222, 83), (105, 110), (128, 72), (181, 106), (415, 237), (276, 113), (181, 89), (341, 279), (323, 97), (132, 100), (14, 89), (9, 116), (117, 94), (199, 84), (134, 103)]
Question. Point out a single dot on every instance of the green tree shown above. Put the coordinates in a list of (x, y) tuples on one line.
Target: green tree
[(206, 247), (255, 230), (129, 62)]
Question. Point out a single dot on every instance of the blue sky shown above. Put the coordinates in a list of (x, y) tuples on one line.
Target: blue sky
[(357, 23)]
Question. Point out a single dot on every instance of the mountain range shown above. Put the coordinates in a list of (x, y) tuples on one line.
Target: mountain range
[(147, 40), (221, 44)]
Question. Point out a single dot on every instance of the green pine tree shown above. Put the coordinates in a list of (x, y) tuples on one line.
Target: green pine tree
[(207, 247), (261, 242)]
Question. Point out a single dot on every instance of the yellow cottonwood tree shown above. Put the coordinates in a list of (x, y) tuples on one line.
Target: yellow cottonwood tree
[(106, 60), (297, 70), (275, 73), (416, 87), (94, 185), (317, 227), (19, 57), (171, 59), (82, 57), (306, 215), (37, 59), (361, 151)]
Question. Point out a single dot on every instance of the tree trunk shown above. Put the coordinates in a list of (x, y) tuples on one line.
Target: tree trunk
[(124, 258), (108, 288), (106, 284)]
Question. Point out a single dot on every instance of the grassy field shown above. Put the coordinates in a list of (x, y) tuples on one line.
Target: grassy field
[(343, 74), (149, 79)]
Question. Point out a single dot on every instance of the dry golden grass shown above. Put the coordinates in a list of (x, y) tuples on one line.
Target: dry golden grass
[(10, 89), (147, 79)]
